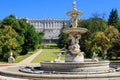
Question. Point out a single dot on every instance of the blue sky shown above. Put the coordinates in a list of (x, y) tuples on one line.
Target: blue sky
[(55, 8)]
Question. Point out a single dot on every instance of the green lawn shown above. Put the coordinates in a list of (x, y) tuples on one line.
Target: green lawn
[(49, 46), (47, 55), (2, 62)]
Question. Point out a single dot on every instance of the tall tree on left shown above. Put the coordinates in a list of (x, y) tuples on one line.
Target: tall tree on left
[(8, 41), (17, 26)]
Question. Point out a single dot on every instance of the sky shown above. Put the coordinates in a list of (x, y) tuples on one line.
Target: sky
[(56, 8)]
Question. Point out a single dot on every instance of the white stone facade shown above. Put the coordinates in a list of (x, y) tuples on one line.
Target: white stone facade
[(50, 26)]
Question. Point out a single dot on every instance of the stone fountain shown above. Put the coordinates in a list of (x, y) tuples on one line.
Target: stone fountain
[(74, 59)]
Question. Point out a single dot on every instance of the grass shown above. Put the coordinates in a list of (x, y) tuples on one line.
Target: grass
[(2, 62), (47, 55), (49, 46)]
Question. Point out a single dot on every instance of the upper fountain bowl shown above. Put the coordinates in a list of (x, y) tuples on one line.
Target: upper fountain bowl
[(75, 30), (77, 13)]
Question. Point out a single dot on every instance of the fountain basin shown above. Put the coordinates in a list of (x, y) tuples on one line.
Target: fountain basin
[(102, 66)]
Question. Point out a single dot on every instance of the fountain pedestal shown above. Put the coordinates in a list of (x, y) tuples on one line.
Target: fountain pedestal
[(74, 53), (74, 58)]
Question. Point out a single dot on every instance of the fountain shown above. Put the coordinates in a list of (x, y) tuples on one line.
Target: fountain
[(74, 60)]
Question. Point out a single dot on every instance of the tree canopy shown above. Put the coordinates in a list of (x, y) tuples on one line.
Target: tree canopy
[(113, 18), (8, 40), (19, 36)]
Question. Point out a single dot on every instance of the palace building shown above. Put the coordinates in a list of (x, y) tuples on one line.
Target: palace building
[(50, 26)]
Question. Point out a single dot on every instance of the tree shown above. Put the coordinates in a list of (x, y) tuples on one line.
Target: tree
[(114, 35), (63, 39), (113, 18), (118, 27), (32, 39), (93, 25), (99, 43), (14, 23), (28, 38), (8, 41), (41, 34)]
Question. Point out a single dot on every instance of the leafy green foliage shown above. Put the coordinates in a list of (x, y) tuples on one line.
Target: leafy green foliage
[(31, 39), (14, 23), (8, 40), (63, 39), (18, 36), (98, 42), (114, 35), (41, 36), (99, 38), (113, 18), (93, 25)]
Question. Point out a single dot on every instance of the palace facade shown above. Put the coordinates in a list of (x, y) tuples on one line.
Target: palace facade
[(50, 26)]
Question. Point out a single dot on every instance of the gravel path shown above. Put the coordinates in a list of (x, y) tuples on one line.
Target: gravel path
[(30, 58)]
